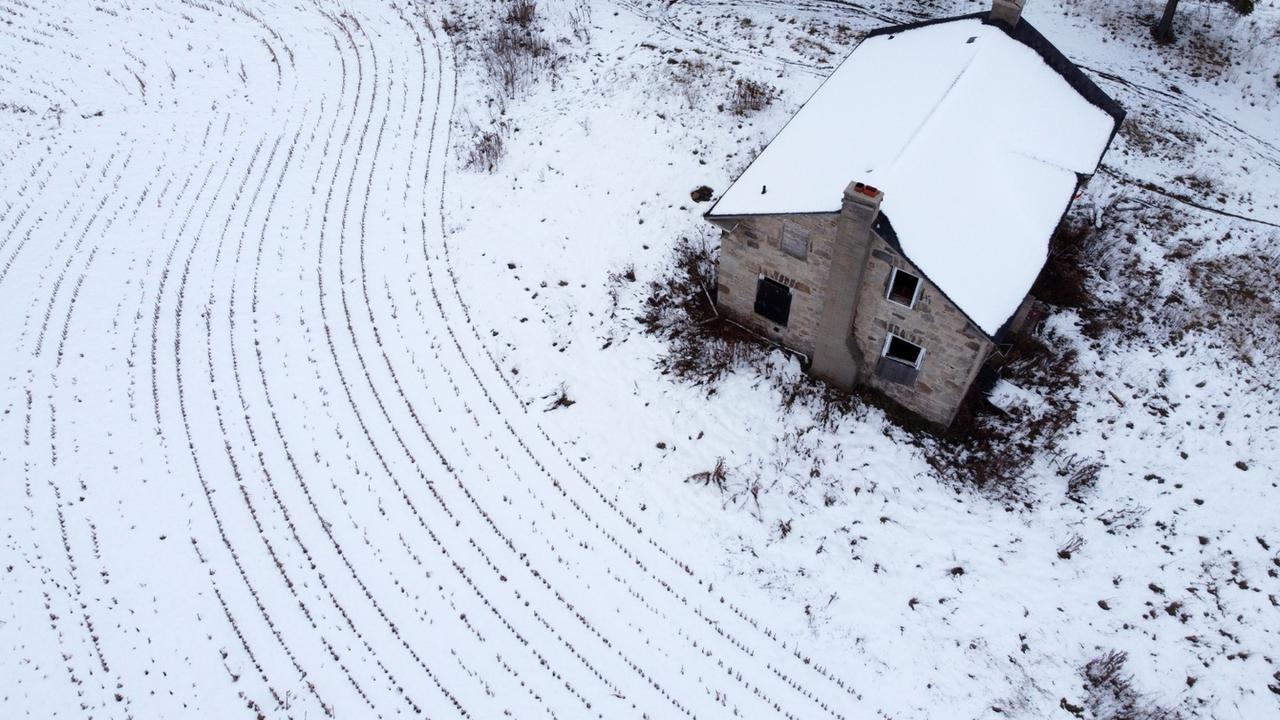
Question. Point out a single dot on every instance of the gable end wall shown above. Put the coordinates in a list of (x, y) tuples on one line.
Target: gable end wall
[(954, 349)]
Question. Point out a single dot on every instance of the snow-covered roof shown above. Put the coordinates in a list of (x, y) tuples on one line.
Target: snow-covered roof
[(975, 140)]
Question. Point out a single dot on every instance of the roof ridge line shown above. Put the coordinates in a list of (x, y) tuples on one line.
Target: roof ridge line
[(933, 111)]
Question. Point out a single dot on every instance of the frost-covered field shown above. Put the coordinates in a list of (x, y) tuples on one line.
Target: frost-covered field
[(280, 370)]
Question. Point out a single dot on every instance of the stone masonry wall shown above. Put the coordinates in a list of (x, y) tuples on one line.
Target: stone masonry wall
[(954, 349), (753, 248)]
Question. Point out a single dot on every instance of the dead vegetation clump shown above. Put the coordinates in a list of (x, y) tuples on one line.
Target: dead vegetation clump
[(513, 55), (1206, 57), (1151, 137), (559, 399), (580, 20), (484, 147), (702, 346), (516, 56), (716, 477), (1239, 304), (991, 449), (521, 12), (690, 77), (1063, 281), (750, 96), (1109, 693)]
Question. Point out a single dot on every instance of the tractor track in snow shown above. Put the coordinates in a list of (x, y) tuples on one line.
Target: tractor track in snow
[(463, 318), (294, 413)]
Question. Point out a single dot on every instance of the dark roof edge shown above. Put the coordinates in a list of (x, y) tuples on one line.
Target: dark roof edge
[(1026, 34), (712, 215), (895, 29)]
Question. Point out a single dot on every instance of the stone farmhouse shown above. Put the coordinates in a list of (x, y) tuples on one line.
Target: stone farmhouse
[(892, 230)]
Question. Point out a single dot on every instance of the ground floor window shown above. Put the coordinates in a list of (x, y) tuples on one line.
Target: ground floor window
[(900, 360), (773, 301)]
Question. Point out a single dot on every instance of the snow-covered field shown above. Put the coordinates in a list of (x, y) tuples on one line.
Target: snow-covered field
[(279, 430)]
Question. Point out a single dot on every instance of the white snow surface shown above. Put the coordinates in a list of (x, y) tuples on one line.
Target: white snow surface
[(277, 432), (974, 140)]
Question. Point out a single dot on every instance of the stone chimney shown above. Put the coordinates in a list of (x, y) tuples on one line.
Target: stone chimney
[(1007, 11), (835, 357)]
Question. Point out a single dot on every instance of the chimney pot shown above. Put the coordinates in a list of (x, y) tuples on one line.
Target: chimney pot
[(1008, 12), (863, 194)]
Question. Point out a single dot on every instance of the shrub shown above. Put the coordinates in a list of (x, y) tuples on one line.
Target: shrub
[(681, 309), (1109, 692), (717, 476), (580, 20), (749, 96), (485, 147), (521, 12), (515, 57), (990, 450), (1082, 476)]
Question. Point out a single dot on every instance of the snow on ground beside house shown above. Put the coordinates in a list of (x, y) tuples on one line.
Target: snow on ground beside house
[(870, 577), (300, 415)]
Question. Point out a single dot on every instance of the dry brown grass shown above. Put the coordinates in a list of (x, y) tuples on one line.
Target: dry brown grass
[(750, 96), (1239, 304), (702, 346)]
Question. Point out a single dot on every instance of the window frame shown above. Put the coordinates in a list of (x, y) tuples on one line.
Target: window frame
[(915, 295), (795, 228), (763, 281), (888, 340)]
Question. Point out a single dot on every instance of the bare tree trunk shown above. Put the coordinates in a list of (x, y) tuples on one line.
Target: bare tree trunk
[(1164, 29)]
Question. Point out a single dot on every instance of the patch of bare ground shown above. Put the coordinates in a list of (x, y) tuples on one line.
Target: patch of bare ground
[(1152, 136), (1239, 306)]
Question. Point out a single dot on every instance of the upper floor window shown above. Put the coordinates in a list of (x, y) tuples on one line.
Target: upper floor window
[(795, 240), (904, 288)]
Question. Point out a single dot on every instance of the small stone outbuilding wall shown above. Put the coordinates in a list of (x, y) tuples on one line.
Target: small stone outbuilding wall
[(751, 248)]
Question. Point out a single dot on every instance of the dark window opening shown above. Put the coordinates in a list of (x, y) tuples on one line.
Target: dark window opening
[(903, 287), (903, 351), (773, 300), (900, 361)]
